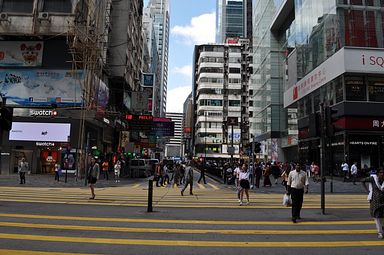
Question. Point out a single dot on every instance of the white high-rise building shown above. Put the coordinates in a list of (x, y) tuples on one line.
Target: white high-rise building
[(219, 93), (160, 12)]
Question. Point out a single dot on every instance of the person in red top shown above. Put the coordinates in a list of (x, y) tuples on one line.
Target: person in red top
[(105, 168), (315, 170)]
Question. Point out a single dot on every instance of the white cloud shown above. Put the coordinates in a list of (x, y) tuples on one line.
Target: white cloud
[(176, 98), (200, 30), (184, 70)]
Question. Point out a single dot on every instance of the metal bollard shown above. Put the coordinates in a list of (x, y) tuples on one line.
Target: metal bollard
[(150, 195)]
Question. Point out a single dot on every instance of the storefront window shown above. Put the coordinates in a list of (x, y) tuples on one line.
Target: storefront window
[(355, 89), (376, 90), (339, 90)]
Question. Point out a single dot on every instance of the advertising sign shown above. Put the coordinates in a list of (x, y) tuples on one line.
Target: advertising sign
[(41, 132), (41, 87), (346, 60), (148, 79), (21, 54)]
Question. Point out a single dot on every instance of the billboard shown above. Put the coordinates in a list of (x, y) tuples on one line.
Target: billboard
[(148, 79), (41, 132), (21, 54), (41, 87)]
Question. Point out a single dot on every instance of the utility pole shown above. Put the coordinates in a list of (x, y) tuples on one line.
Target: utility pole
[(322, 156)]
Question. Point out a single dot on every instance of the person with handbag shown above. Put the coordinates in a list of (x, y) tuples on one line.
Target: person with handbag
[(93, 176), (297, 182)]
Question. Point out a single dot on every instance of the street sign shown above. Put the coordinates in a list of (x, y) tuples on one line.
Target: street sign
[(232, 121)]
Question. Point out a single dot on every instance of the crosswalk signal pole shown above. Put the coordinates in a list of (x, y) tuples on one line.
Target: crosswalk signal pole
[(322, 157)]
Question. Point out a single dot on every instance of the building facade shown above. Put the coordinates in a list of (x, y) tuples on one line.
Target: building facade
[(229, 19), (174, 147), (161, 15), (52, 72), (268, 118), (218, 94), (337, 55), (188, 126)]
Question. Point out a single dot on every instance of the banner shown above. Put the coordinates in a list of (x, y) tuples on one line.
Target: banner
[(21, 54), (41, 87)]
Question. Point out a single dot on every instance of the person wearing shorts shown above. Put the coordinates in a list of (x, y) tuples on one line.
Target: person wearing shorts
[(244, 183)]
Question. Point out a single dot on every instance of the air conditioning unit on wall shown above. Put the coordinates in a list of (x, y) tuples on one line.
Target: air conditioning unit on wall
[(43, 16), (4, 16)]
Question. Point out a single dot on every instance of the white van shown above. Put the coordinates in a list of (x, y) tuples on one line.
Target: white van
[(137, 168)]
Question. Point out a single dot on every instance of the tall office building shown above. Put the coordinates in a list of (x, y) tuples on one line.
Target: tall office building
[(268, 118), (161, 15), (229, 19)]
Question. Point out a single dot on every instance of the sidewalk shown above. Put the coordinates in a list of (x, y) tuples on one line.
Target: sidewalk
[(47, 180)]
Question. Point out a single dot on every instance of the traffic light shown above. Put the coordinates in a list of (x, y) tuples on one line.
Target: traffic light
[(6, 118), (329, 118), (257, 147)]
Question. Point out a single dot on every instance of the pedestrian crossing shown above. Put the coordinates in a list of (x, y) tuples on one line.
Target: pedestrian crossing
[(205, 196), (63, 234)]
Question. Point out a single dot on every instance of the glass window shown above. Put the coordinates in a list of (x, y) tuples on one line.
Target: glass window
[(339, 90), (63, 6), (234, 102), (376, 90), (22, 6), (355, 89)]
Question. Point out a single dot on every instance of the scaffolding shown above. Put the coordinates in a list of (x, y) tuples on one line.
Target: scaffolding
[(87, 39)]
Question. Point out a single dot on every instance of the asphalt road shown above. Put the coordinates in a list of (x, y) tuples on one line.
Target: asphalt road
[(61, 220)]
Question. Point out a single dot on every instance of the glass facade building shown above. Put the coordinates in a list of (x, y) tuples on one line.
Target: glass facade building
[(229, 19), (335, 53)]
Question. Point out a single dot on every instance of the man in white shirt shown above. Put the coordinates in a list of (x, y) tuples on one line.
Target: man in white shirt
[(297, 181), (354, 172), (345, 169)]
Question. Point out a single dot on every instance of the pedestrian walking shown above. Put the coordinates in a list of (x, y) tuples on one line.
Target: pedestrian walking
[(105, 168), (258, 174), (188, 179), (345, 169), (297, 182), (266, 174), (244, 183), (159, 174), (57, 172), (236, 174), (275, 170), (285, 175), (116, 170), (251, 171), (202, 173), (376, 199), (93, 176), (23, 168), (354, 172), (315, 172)]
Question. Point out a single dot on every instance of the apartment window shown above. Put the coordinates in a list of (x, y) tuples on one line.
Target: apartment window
[(62, 6), (234, 70), (22, 6), (234, 102), (355, 89)]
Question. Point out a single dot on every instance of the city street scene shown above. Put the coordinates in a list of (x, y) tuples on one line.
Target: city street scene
[(191, 127)]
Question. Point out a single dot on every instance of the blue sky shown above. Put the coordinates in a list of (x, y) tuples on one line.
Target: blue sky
[(192, 22)]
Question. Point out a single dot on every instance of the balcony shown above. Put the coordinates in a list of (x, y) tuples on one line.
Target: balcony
[(42, 24)]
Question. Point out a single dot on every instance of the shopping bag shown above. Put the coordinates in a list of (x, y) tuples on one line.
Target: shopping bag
[(287, 200)]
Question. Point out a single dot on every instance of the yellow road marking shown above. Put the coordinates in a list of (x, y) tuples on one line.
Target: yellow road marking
[(166, 204), (197, 222), (201, 186), (24, 252), (214, 186), (191, 231), (136, 186), (119, 241)]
